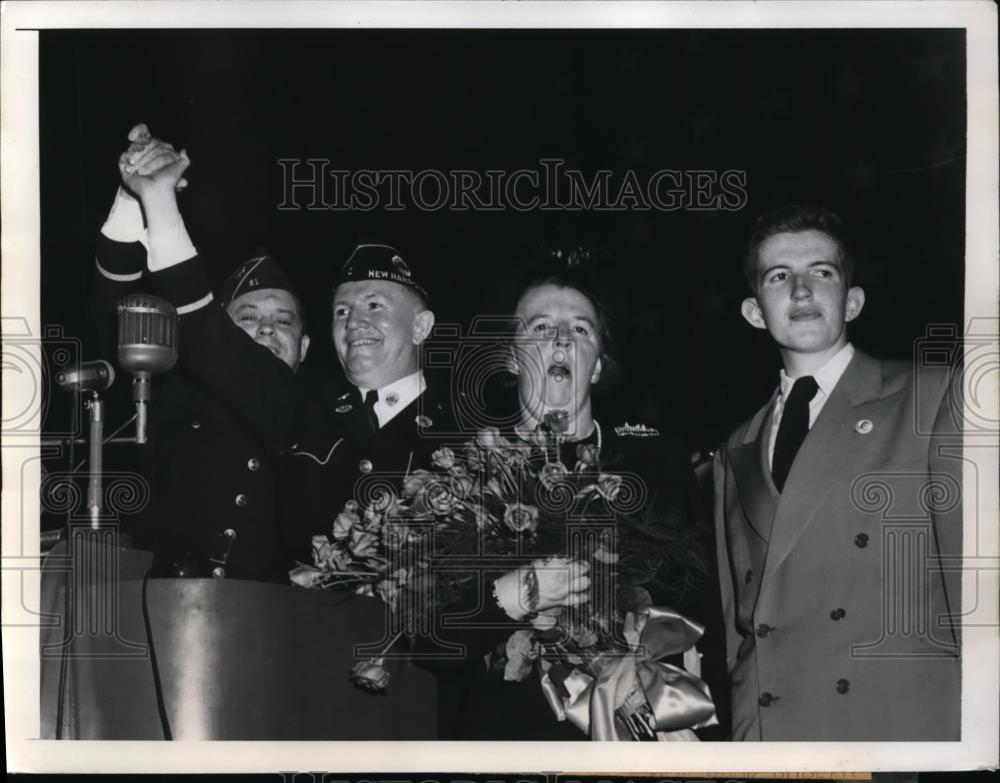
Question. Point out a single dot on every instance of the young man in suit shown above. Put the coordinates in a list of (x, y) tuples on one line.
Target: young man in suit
[(835, 503)]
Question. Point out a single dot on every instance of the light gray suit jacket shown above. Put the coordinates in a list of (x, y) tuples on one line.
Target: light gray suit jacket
[(841, 623)]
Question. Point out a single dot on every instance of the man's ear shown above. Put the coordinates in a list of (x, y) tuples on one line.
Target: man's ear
[(303, 347), (752, 314), (423, 322), (855, 301)]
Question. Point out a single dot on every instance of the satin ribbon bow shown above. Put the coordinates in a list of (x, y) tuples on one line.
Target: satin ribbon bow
[(678, 701)]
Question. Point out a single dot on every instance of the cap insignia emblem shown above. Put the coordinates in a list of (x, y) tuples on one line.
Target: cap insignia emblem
[(401, 266)]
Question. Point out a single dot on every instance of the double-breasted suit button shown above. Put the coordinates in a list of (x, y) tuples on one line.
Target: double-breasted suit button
[(748, 576), (365, 466), (843, 686), (253, 463), (195, 424), (766, 699), (764, 630), (241, 500), (837, 614), (861, 540)]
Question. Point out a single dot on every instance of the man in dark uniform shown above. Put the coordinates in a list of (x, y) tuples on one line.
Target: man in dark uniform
[(348, 438), (212, 506), (335, 434)]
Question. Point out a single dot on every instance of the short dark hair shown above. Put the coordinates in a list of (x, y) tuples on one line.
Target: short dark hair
[(791, 219)]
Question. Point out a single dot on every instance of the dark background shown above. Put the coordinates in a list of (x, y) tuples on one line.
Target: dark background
[(868, 122)]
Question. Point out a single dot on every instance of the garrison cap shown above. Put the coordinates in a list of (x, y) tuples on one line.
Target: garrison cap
[(255, 273), (379, 262)]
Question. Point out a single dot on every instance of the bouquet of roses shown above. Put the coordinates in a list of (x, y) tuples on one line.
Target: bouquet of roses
[(500, 498)]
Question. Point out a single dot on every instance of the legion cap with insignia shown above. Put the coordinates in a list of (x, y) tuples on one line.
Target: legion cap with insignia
[(259, 272), (379, 262)]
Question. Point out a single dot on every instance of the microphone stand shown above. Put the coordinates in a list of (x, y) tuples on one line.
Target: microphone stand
[(95, 462)]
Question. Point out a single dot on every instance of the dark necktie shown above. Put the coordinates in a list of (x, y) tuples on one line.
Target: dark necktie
[(370, 399), (793, 428)]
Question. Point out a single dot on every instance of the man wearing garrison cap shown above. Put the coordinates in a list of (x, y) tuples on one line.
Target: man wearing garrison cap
[(330, 433), (314, 435), (212, 475), (386, 421)]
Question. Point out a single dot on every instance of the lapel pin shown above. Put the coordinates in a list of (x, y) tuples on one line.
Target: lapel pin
[(423, 421), (391, 399), (344, 408), (864, 426)]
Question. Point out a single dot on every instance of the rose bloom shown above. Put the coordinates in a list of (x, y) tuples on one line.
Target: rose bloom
[(415, 482), (344, 523), (609, 486), (363, 543), (490, 439), (521, 518), (304, 576), (329, 555), (371, 675), (443, 458), (440, 499), (587, 453), (551, 474), (384, 501)]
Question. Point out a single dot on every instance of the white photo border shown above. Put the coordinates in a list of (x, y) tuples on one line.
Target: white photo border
[(20, 309)]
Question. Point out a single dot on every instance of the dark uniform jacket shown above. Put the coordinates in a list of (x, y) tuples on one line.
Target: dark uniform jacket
[(311, 423), (478, 704), (208, 469), (331, 456), (840, 617)]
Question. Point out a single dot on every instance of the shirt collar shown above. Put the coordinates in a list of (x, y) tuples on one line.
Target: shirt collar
[(406, 390), (827, 375)]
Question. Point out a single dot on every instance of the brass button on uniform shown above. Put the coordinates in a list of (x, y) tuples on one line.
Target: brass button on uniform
[(195, 424), (748, 576), (365, 466), (837, 614), (843, 686), (241, 500), (253, 463), (218, 572), (763, 630), (766, 699), (861, 540)]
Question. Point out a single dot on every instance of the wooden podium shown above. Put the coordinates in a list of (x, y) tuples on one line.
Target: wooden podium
[(230, 659)]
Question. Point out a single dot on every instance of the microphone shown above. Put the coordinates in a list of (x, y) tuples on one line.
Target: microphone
[(147, 345), (97, 375)]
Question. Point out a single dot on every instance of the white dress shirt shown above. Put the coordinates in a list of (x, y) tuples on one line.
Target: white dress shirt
[(826, 379), (396, 396)]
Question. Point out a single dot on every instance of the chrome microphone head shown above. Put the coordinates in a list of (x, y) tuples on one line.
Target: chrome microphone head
[(147, 334)]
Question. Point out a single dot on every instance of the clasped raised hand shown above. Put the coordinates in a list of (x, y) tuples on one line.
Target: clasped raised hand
[(150, 164)]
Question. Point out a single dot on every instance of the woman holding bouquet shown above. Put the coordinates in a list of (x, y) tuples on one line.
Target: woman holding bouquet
[(602, 517)]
